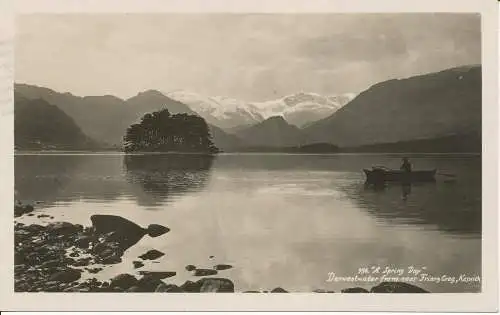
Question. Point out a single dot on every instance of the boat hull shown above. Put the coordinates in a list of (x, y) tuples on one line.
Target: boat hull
[(379, 175)]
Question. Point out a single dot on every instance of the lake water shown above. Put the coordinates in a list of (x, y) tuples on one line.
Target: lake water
[(280, 220)]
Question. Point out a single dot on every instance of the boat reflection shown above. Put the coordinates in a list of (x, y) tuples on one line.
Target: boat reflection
[(430, 205)]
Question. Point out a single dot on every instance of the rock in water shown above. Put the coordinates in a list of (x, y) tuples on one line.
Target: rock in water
[(137, 264), (355, 290), (216, 285), (155, 230), (123, 281), (397, 287), (148, 284), (158, 274), (190, 267), (222, 267), (190, 286), (123, 231), (67, 276), (172, 288), (279, 290), (152, 254), (204, 272)]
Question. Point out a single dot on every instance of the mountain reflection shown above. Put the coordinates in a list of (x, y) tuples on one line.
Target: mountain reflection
[(444, 206), (166, 176), (43, 177)]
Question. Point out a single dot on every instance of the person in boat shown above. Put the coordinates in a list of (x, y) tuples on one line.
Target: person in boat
[(406, 166)]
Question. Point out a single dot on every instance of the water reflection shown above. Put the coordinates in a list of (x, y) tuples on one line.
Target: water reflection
[(166, 176), (43, 177), (448, 208)]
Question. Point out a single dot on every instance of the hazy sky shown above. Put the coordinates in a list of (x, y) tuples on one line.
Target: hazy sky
[(251, 57)]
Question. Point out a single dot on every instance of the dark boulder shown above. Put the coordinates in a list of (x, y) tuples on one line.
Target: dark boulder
[(172, 288), (190, 286), (222, 267), (148, 283), (63, 228), (83, 241), (158, 274), (123, 281), (68, 275), (126, 233), (134, 289), (155, 230), (279, 290), (19, 210), (397, 287), (204, 272), (151, 255), (216, 285), (190, 267), (137, 264)]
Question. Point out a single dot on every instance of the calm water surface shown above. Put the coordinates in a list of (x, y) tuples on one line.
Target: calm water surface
[(280, 220)]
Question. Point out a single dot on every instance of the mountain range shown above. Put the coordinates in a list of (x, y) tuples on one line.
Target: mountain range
[(445, 106), (40, 125), (426, 106), (229, 113)]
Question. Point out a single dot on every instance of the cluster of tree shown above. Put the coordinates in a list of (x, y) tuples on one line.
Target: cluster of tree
[(162, 132)]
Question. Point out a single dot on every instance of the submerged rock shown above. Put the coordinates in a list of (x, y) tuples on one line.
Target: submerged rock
[(397, 287), (151, 255)]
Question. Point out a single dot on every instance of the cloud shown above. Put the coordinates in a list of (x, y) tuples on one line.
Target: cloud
[(253, 57)]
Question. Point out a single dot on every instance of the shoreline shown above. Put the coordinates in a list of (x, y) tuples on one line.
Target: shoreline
[(54, 257)]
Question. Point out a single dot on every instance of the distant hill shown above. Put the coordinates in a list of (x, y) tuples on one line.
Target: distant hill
[(426, 106), (225, 141), (463, 143), (40, 125), (272, 132), (104, 118)]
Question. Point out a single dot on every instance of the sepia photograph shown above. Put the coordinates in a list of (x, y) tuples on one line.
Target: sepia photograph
[(249, 152)]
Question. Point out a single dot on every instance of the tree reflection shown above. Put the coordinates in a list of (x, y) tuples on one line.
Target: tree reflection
[(166, 176)]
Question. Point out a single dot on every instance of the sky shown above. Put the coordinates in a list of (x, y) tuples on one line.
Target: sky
[(250, 57)]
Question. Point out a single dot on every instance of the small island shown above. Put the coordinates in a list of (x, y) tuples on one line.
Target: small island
[(162, 132)]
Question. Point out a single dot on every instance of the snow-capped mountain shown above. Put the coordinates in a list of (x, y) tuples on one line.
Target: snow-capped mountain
[(298, 109)]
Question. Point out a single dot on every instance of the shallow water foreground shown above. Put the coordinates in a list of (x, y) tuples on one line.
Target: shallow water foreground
[(289, 221)]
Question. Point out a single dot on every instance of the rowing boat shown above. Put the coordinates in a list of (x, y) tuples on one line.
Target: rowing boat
[(378, 175)]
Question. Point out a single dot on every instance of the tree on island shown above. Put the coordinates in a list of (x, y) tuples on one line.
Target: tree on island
[(162, 132)]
